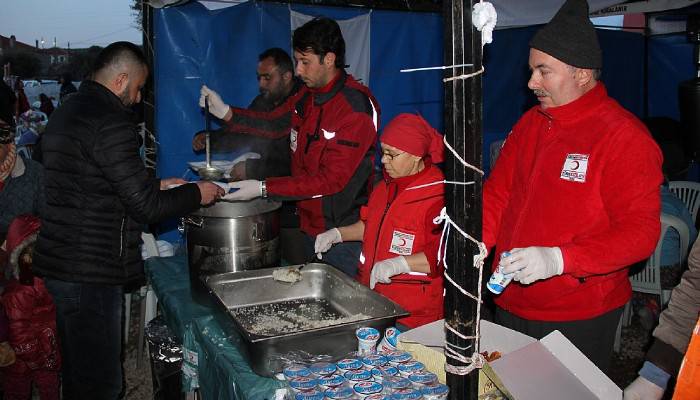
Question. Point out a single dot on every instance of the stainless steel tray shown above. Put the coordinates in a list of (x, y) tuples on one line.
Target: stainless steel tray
[(318, 314)]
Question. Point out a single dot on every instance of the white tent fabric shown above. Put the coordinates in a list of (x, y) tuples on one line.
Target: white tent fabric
[(644, 7), (356, 32), (512, 13)]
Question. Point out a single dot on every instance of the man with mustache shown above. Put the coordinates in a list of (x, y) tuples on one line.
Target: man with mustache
[(276, 82), (573, 197)]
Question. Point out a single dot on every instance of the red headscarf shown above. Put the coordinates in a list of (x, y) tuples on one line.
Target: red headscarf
[(414, 135)]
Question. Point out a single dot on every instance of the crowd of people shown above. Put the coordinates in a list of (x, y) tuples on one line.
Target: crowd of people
[(71, 223)]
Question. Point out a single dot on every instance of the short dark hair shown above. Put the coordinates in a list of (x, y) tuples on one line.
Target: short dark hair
[(116, 53), (321, 35), (280, 57)]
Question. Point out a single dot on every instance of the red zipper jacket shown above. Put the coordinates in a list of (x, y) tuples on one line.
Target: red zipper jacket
[(32, 316), (333, 133), (584, 177), (399, 222)]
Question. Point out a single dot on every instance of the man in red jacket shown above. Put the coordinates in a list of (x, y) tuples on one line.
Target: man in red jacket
[(574, 196), (332, 123)]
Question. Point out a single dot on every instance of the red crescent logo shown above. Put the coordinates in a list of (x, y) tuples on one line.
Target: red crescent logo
[(577, 165), (402, 242)]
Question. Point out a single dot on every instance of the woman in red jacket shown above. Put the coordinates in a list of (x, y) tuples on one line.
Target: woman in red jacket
[(32, 317), (399, 239)]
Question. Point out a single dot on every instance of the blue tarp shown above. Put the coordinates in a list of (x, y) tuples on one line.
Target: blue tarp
[(220, 48)]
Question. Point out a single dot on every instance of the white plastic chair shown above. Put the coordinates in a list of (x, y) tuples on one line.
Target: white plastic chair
[(648, 280), (149, 305), (689, 192)]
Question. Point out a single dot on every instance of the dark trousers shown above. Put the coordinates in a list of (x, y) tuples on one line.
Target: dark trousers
[(343, 256), (594, 337), (19, 386), (89, 322)]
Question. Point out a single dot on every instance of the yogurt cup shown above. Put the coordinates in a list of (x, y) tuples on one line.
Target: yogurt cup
[(367, 339), (295, 371), (377, 396), (322, 368), (410, 367), (406, 394), (396, 382), (389, 341), (303, 384), (421, 379), (331, 381), (366, 388), (310, 395), (383, 371), (340, 392), (347, 364), (435, 392), (375, 360), (358, 375), (399, 357)]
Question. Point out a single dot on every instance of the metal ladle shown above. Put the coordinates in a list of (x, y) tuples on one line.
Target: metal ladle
[(208, 172)]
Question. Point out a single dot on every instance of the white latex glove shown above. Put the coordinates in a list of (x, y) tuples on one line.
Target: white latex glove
[(217, 107), (326, 240), (384, 270), (248, 189), (642, 389), (531, 264)]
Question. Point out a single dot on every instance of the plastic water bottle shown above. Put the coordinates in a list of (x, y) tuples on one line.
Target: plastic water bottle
[(498, 281)]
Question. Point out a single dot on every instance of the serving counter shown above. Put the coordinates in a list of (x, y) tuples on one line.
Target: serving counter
[(222, 370)]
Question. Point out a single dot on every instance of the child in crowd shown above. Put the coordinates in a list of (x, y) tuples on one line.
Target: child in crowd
[(32, 320)]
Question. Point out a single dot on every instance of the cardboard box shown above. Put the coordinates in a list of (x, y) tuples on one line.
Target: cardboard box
[(551, 368)]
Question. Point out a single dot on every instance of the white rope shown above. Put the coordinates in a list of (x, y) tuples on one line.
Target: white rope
[(464, 76), (457, 156), (440, 183), (434, 68)]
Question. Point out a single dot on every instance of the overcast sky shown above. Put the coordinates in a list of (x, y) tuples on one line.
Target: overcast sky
[(83, 23)]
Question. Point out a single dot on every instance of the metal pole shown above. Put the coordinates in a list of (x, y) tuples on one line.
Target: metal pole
[(463, 114), (149, 90)]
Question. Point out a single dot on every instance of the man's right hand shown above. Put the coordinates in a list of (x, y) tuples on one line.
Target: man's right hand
[(326, 240), (210, 192), (199, 141), (217, 107)]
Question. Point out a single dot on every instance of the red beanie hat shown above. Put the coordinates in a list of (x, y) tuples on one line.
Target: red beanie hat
[(414, 135), (22, 232)]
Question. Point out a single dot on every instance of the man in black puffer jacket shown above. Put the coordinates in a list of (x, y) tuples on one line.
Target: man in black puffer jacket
[(99, 197)]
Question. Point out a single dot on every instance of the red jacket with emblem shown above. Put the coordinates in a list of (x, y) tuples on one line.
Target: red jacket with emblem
[(584, 177), (399, 222), (32, 316), (333, 133)]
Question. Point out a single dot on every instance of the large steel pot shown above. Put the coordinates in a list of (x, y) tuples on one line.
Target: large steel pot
[(232, 237)]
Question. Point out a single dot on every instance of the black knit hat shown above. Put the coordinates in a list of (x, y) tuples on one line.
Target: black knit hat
[(570, 37)]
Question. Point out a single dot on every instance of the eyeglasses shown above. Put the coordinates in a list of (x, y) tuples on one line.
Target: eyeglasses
[(390, 156)]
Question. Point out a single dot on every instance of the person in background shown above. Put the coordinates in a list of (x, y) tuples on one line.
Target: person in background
[(7, 104), (46, 104), (573, 197), (332, 127), (671, 338), (22, 104), (32, 317), (21, 181), (399, 239), (67, 86), (100, 197), (276, 83)]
